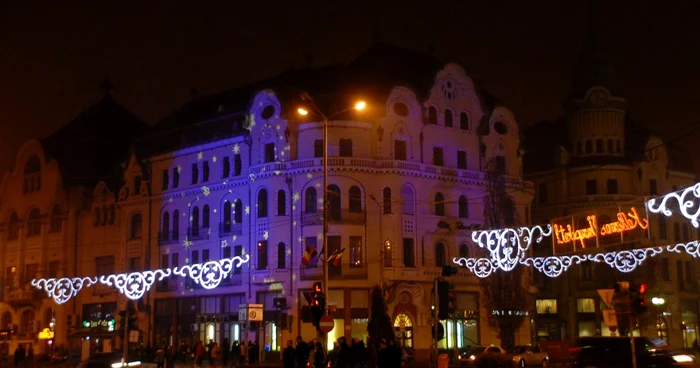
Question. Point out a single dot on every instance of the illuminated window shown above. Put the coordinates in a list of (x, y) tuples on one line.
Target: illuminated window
[(355, 199), (449, 119), (56, 219), (310, 200), (463, 121), (439, 204), (262, 255), (388, 254), (440, 254), (34, 223), (399, 150), (281, 203), (408, 253), (345, 148), (386, 200), (205, 171), (262, 203), (432, 115), (438, 156), (318, 148), (612, 186), (165, 180), (407, 201), (176, 177), (546, 306), (356, 259), (462, 160), (463, 207), (589, 147), (599, 146)]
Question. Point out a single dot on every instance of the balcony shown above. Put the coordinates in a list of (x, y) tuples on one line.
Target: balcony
[(198, 233), (336, 217), (335, 273), (18, 297), (227, 229), (168, 237)]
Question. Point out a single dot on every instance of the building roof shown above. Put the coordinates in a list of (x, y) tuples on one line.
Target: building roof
[(92, 146)]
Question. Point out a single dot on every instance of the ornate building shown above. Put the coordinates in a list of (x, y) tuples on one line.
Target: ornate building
[(240, 173), (598, 162)]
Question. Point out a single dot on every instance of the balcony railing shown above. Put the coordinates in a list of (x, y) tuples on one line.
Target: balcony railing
[(226, 229), (198, 233), (334, 273), (168, 237), (337, 217)]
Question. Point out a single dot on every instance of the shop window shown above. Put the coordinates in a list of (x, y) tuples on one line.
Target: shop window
[(585, 305), (546, 306)]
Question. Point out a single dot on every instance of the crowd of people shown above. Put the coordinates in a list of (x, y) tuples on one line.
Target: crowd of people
[(343, 355)]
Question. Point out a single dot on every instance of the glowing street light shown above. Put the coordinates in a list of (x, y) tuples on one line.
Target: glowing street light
[(658, 301), (302, 111), (360, 105)]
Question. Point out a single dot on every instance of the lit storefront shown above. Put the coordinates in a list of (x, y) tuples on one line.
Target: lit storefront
[(99, 326), (351, 315)]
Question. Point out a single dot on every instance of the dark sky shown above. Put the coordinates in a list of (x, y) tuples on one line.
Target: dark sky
[(54, 53)]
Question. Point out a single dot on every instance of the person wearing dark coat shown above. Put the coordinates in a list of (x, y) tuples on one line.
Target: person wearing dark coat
[(397, 354), (302, 352), (225, 351), (319, 356), (385, 356), (236, 354), (289, 355), (358, 354), (344, 355)]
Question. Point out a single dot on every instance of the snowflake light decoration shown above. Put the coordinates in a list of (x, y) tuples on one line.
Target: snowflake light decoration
[(187, 243), (200, 156), (266, 235), (236, 148), (247, 210), (206, 191), (296, 196)]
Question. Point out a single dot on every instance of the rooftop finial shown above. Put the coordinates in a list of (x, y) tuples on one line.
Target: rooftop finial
[(107, 86)]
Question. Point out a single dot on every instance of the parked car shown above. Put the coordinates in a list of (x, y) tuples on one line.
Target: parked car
[(528, 356), (608, 352)]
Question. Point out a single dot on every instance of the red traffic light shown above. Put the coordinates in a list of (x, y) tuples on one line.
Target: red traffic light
[(642, 288), (318, 287)]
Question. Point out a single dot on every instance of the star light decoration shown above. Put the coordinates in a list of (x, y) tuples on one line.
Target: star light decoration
[(134, 285)]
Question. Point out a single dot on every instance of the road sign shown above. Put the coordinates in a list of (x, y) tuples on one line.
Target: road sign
[(609, 317), (607, 296), (326, 324), (250, 312)]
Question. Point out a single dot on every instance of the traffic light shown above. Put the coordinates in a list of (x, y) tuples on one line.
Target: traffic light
[(443, 289), (318, 304), (639, 299)]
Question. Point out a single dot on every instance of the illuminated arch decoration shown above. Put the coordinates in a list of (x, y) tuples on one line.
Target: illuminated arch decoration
[(692, 248), (133, 285), (63, 289), (553, 266), (210, 274), (508, 247), (687, 201), (481, 267), (626, 260)]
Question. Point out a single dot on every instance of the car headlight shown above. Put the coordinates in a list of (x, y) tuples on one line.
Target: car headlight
[(471, 357), (683, 358)]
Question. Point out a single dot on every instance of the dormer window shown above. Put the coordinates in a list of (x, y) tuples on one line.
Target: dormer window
[(32, 175), (137, 185)]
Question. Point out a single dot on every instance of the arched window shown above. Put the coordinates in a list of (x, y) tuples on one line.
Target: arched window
[(599, 146), (281, 203), (6, 318), (610, 146), (334, 202), (205, 216), (136, 226), (32, 175), (355, 199), (176, 225), (589, 147), (13, 227), (56, 219), (463, 251), (26, 326), (194, 221), (96, 216), (508, 210), (439, 204), (440, 255), (463, 121), (226, 224), (165, 226), (432, 115), (449, 119), (408, 206), (310, 200), (281, 255), (238, 211), (105, 215), (386, 200), (463, 207), (34, 223), (262, 203)]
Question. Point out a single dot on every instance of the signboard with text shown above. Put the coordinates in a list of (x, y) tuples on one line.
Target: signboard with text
[(602, 227)]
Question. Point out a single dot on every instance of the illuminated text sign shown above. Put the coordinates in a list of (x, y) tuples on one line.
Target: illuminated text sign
[(626, 221)]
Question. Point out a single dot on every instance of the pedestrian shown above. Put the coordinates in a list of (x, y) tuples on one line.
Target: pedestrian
[(358, 353), (225, 352), (319, 356), (332, 357), (244, 353), (384, 355), (160, 358), (30, 356), (344, 355), (170, 357), (236, 354), (199, 354), (214, 354), (289, 355), (302, 352)]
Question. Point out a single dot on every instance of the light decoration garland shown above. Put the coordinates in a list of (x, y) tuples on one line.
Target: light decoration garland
[(507, 247), (626, 260), (692, 248), (553, 266), (135, 284), (686, 200), (210, 274), (481, 267), (63, 289)]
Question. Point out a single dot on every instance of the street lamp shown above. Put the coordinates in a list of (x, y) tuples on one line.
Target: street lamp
[(311, 108)]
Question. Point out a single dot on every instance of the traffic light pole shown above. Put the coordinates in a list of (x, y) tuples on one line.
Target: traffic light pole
[(436, 321), (326, 253), (125, 355)]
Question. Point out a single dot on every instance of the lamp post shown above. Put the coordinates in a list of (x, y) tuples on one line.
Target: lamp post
[(658, 302), (311, 108)]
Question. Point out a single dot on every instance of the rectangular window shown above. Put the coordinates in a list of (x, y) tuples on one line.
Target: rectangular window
[(586, 271), (53, 269), (205, 255), (585, 305), (653, 190), (591, 187), (665, 269), (400, 150), (237, 165), (195, 257), (166, 181), (205, 171), (269, 152), (345, 147), (438, 158), (679, 274), (176, 177), (612, 186), (195, 173), (226, 167), (318, 148), (30, 272), (542, 192), (356, 252), (281, 256), (546, 306), (663, 232), (689, 272), (10, 274), (237, 252), (137, 185), (262, 255), (409, 259), (175, 260), (134, 264), (462, 160), (104, 265)]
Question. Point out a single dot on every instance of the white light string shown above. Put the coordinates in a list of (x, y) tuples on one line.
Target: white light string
[(686, 200), (135, 284), (508, 247), (553, 266)]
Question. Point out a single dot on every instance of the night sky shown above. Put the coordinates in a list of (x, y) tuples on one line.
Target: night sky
[(53, 54)]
